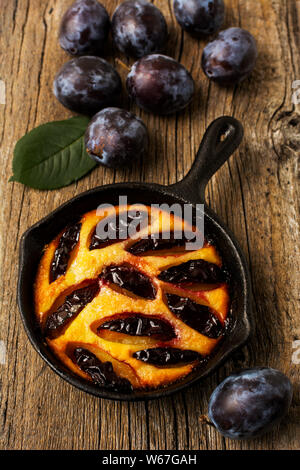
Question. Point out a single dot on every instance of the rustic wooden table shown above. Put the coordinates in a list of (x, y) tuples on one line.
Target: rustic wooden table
[(255, 193)]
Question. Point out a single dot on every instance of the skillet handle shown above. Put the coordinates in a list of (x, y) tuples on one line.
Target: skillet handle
[(220, 140)]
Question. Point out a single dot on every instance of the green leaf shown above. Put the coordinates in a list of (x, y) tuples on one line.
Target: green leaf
[(52, 155)]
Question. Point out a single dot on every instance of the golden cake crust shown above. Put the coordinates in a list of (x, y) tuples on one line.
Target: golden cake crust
[(85, 265)]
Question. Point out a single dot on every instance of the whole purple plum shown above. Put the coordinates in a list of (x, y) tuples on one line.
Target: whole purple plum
[(231, 57), (139, 28), (87, 84), (160, 84), (115, 137), (84, 28), (199, 17), (250, 403)]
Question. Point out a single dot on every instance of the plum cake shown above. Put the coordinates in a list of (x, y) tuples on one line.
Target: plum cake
[(123, 302)]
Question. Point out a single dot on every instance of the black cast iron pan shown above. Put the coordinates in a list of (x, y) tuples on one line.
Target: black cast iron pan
[(220, 140)]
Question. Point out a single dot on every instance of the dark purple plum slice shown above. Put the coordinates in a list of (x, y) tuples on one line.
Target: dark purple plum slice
[(167, 356), (66, 245), (131, 279), (157, 242), (140, 325), (101, 373), (74, 303), (199, 317), (199, 271), (113, 229)]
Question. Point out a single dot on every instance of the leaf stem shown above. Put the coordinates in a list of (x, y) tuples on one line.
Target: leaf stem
[(204, 420), (123, 65)]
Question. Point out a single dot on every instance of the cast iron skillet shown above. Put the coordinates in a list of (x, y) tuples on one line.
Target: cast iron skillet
[(220, 140)]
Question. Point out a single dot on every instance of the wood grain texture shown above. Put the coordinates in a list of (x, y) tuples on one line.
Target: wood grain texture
[(255, 193)]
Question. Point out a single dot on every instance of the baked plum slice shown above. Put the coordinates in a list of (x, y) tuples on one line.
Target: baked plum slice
[(167, 356), (129, 278), (199, 271), (73, 304), (159, 241), (116, 228), (101, 373), (199, 317), (66, 245), (135, 324)]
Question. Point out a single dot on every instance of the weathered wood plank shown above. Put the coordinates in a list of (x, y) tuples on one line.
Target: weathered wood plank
[(256, 194)]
